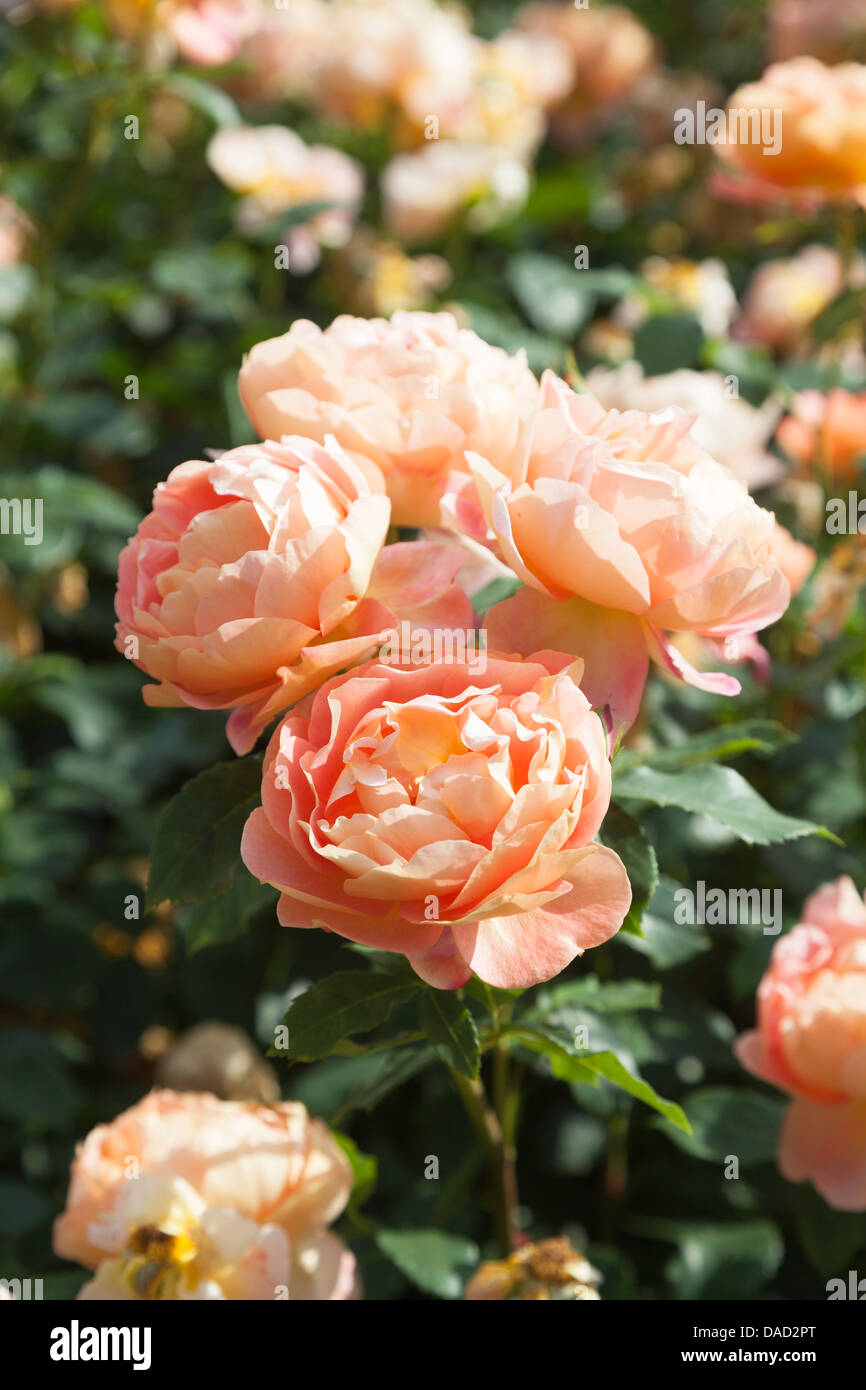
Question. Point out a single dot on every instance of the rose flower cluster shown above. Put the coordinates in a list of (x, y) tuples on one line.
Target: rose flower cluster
[(442, 808)]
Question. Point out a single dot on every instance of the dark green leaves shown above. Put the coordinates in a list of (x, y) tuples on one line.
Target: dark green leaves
[(621, 832), (322, 1021), (435, 1262), (451, 1031), (196, 846), (713, 745), (718, 792), (728, 1122), (551, 293)]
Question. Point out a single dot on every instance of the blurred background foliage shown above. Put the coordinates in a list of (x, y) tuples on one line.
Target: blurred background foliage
[(135, 270)]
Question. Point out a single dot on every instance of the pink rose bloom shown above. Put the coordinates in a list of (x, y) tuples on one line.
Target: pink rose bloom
[(811, 1042), (623, 529), (258, 575), (412, 392), (784, 297), (445, 814), (822, 137), (274, 171), (205, 32), (190, 1197)]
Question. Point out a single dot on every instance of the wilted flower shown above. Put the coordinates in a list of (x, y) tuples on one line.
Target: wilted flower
[(220, 1059), (550, 1269), (190, 1197)]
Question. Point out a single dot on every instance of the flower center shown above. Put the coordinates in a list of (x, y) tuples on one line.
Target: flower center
[(156, 1261)]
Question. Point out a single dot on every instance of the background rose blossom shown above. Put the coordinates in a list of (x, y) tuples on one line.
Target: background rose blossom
[(275, 171), (811, 1041), (413, 393), (826, 432), (244, 1193), (446, 814), (822, 152)]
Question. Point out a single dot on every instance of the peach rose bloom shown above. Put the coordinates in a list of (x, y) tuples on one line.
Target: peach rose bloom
[(258, 575), (826, 431), (16, 229), (623, 529), (811, 1042), (612, 52), (822, 156), (785, 296), (446, 814), (190, 1197), (412, 392), (273, 171)]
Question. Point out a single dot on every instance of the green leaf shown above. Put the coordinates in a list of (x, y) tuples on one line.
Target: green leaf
[(663, 940), (195, 852), (665, 342), (365, 1169), (829, 1237), (324, 1017), (730, 1122), (222, 919), (714, 745), (719, 793), (551, 293), (451, 1031), (213, 101), (622, 833), (847, 308), (603, 997), (430, 1259), (718, 1260), (495, 592), (570, 1064)]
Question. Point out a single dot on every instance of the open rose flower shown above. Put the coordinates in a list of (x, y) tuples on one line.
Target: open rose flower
[(190, 1197), (447, 814), (413, 392), (423, 191), (623, 529), (821, 156), (258, 575), (811, 1042), (274, 171), (826, 432)]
